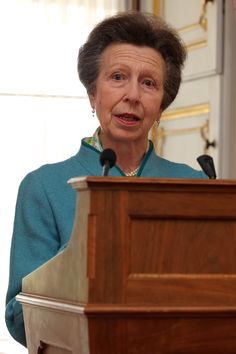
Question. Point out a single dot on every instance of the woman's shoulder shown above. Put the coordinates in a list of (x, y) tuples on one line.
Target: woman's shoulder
[(182, 169), (54, 169), (51, 176), (161, 167)]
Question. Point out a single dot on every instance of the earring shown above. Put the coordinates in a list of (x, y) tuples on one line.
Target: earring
[(158, 122), (93, 112)]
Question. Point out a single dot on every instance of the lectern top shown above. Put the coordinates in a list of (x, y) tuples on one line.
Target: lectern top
[(95, 182)]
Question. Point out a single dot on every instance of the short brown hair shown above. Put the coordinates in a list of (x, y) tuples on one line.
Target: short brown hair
[(137, 28)]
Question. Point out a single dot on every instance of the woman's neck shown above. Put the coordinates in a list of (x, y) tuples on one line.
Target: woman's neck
[(128, 155)]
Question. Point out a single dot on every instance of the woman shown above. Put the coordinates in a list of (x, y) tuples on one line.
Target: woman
[(131, 67)]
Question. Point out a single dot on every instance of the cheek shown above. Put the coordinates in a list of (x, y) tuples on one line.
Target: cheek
[(107, 102), (98, 103), (153, 108), (103, 109)]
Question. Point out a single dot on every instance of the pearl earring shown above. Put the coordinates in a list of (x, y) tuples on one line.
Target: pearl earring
[(93, 112)]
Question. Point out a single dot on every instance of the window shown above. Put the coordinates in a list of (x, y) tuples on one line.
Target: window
[(44, 109)]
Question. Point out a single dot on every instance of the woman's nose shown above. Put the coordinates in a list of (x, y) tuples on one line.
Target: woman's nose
[(132, 93)]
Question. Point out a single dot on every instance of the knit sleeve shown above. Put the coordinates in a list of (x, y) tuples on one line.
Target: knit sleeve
[(35, 240)]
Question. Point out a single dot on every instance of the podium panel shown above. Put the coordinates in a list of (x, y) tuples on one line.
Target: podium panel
[(150, 268)]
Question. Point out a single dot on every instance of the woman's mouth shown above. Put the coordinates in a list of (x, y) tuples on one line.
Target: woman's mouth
[(127, 118)]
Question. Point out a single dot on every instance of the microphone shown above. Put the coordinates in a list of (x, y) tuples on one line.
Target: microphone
[(207, 164), (107, 160)]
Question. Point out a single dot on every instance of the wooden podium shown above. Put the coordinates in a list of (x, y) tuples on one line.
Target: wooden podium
[(150, 269)]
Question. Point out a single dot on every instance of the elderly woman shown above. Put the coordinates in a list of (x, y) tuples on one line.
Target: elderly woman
[(131, 67)]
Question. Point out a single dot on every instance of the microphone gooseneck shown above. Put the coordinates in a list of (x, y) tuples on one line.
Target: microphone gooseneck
[(107, 160), (207, 164)]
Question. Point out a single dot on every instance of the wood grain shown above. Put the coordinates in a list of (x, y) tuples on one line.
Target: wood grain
[(150, 268)]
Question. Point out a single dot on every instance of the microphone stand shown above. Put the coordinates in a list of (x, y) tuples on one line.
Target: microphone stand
[(106, 168)]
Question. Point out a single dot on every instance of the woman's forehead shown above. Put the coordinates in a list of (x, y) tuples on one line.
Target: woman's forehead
[(126, 54)]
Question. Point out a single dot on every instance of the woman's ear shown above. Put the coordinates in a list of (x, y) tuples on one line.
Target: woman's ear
[(92, 100)]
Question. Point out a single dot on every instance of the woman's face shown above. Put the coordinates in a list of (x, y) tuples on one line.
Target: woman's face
[(129, 92)]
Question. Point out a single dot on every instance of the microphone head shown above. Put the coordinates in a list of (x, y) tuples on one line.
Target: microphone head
[(108, 156), (207, 164)]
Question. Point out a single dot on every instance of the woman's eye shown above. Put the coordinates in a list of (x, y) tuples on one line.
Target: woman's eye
[(117, 76), (149, 82)]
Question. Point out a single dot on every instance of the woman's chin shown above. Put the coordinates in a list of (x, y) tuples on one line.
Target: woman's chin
[(127, 137)]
